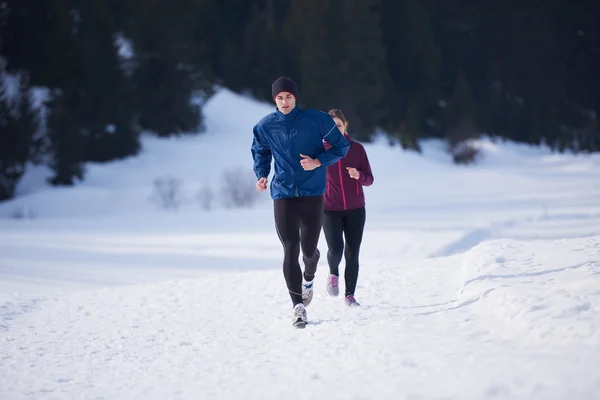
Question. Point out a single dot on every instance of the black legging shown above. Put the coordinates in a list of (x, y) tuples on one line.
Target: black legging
[(336, 225), (298, 221)]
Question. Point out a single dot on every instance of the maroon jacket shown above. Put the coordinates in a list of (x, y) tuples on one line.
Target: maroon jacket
[(344, 192)]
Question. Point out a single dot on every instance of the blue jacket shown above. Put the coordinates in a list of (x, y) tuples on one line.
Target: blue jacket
[(284, 137)]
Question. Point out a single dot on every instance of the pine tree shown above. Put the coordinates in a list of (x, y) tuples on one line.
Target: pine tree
[(526, 80), (227, 44), (461, 113), (264, 55), (94, 102), (108, 113), (67, 139), (414, 61), (171, 46), (341, 59), (25, 38), (17, 129)]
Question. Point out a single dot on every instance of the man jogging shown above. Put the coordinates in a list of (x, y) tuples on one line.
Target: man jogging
[(293, 138)]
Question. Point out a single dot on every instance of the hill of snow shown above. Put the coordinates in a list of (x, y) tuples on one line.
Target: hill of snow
[(476, 281)]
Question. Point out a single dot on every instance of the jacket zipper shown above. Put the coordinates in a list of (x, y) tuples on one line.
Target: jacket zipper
[(342, 184)]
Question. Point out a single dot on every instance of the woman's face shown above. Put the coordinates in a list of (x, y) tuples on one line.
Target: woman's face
[(341, 125)]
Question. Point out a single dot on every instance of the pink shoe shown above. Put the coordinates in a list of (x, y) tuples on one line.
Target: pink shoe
[(351, 301), (332, 285)]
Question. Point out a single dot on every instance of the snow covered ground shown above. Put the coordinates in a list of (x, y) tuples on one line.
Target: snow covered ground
[(476, 282)]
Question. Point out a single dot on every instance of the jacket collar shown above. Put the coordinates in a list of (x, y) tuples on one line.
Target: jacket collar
[(289, 116)]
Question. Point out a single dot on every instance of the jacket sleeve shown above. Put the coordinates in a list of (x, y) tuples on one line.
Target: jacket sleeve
[(339, 144), (261, 153), (366, 175)]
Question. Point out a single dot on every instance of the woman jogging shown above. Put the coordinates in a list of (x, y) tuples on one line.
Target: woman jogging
[(294, 139), (344, 212)]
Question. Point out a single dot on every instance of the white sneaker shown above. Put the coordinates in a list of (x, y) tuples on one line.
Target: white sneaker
[(307, 292), (300, 319)]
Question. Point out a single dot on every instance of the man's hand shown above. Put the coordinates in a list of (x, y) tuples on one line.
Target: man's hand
[(353, 172), (309, 163), (261, 185)]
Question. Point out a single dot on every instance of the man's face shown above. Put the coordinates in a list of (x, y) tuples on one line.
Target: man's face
[(285, 102)]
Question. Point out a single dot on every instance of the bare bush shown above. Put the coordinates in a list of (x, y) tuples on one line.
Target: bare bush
[(465, 153), (460, 141), (167, 192), (206, 197), (22, 213), (238, 189)]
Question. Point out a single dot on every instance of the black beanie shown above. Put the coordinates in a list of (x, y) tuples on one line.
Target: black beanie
[(284, 84)]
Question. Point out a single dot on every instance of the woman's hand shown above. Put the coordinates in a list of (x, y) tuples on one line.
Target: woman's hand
[(353, 172)]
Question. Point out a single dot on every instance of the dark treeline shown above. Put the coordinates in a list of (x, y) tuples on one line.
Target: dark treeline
[(451, 69)]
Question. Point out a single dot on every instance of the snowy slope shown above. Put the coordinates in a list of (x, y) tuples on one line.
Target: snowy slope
[(505, 320), (476, 282)]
